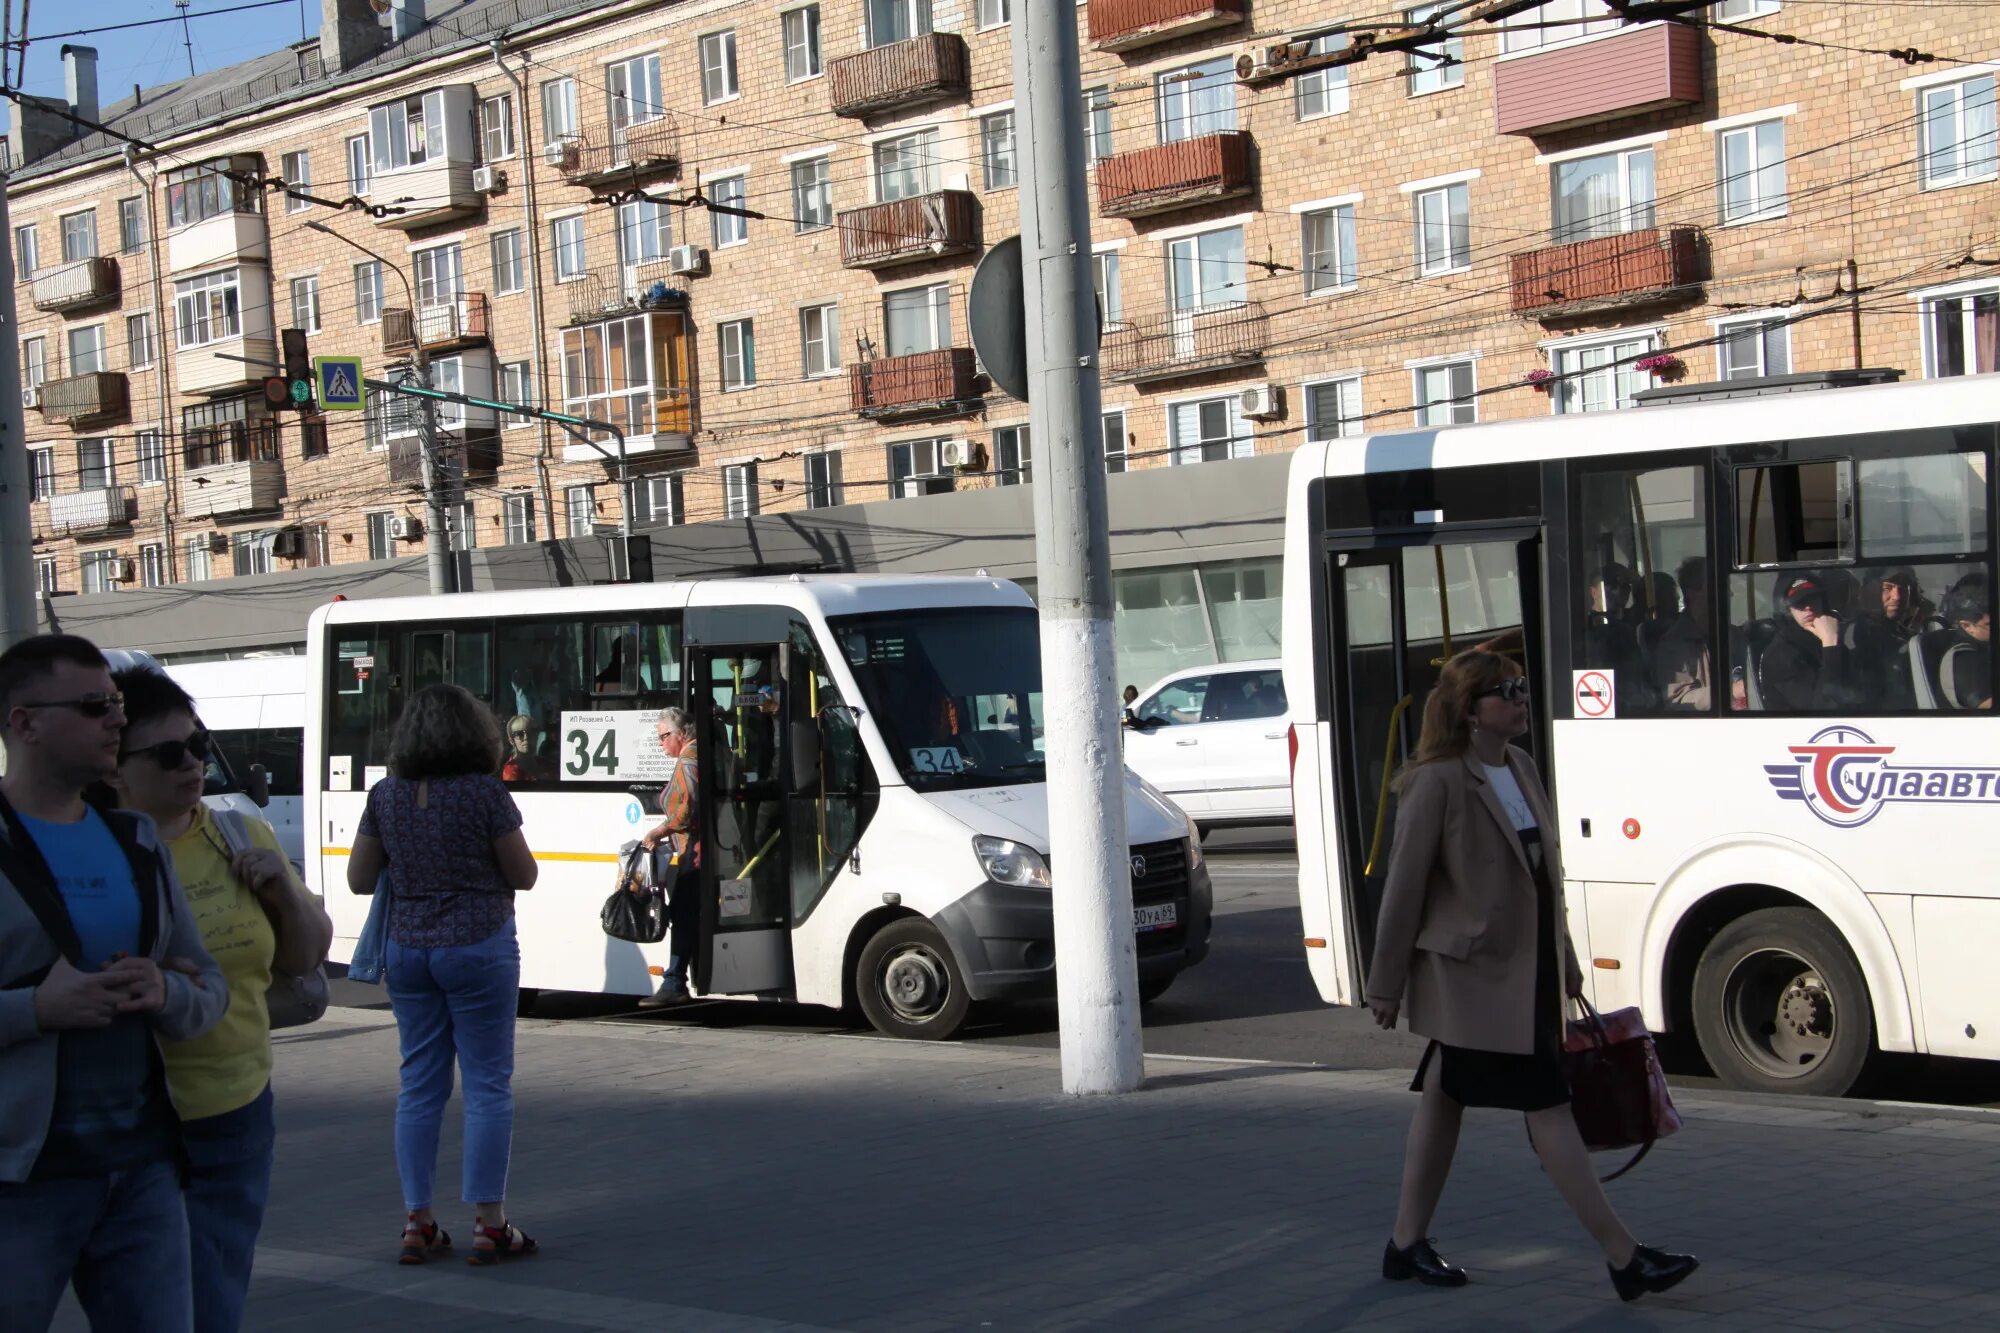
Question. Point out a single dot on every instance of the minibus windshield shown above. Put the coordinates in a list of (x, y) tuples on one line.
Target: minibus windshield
[(956, 692)]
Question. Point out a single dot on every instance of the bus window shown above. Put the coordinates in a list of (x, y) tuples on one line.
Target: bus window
[(614, 655), (367, 699), (598, 685), (1643, 613), (1789, 513)]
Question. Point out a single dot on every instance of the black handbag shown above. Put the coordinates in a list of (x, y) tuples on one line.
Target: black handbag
[(637, 908)]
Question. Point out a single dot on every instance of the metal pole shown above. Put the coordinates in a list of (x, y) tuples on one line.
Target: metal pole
[(19, 616), (437, 550), (1096, 960)]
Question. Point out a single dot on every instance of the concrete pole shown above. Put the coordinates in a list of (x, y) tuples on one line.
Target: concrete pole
[(437, 548), (19, 616), (1097, 978)]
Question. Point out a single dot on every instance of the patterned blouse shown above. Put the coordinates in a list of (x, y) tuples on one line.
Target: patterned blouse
[(443, 873)]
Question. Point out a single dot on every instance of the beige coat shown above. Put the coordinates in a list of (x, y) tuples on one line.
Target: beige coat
[(1456, 940)]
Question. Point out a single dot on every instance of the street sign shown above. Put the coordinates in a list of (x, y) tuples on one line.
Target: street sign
[(997, 312), (341, 387)]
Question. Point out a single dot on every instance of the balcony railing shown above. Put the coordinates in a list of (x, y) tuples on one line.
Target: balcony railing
[(243, 480), (476, 457), (1605, 272), (598, 296), (451, 322), (908, 231), (607, 152), (1170, 344), (93, 509), (77, 285), (1175, 175), (1124, 25), (924, 382), (93, 396), (904, 74)]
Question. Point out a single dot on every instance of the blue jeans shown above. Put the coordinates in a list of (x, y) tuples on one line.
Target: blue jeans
[(121, 1239), (229, 1180), (456, 1002)]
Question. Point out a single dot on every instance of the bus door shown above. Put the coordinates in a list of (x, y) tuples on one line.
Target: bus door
[(1399, 612)]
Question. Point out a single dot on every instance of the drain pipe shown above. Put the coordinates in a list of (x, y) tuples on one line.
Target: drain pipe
[(169, 437), (525, 124)]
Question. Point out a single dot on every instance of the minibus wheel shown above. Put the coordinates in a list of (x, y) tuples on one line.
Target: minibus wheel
[(908, 983), (1152, 988), (1780, 1005), (525, 1000)]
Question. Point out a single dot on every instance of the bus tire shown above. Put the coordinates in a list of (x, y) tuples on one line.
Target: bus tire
[(525, 1000), (1152, 988), (908, 983), (1780, 1005)]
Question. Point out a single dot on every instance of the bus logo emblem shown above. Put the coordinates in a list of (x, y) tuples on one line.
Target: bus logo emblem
[(1138, 867), (1845, 779)]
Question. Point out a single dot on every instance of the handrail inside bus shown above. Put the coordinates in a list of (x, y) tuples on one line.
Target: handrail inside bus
[(1444, 610), (751, 864), (1642, 547), (1382, 797)]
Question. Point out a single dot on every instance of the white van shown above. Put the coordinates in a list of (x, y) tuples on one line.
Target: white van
[(255, 712)]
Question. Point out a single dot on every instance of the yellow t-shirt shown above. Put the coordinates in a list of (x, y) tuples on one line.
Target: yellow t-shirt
[(229, 1065)]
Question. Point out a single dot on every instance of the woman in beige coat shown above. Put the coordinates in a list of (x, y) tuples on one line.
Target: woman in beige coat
[(1472, 949)]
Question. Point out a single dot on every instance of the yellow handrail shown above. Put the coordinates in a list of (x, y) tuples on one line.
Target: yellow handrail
[(1382, 797)]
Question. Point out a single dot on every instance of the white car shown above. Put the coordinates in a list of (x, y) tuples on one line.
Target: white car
[(1213, 739)]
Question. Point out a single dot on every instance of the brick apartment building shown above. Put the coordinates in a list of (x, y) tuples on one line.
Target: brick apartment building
[(1497, 227)]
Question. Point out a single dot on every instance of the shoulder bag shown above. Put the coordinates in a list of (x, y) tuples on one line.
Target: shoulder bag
[(637, 908), (1618, 1092), (292, 1001)]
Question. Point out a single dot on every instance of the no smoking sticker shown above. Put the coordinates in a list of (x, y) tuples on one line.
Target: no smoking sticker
[(1596, 694)]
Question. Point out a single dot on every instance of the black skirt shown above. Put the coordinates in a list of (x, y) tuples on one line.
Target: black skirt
[(1502, 1079)]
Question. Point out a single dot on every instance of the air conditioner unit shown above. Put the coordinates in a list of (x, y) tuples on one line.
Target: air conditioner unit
[(488, 180), (687, 259), (288, 543), (405, 529), (218, 543), (120, 569), (563, 154), (32, 396), (1259, 402), (958, 455)]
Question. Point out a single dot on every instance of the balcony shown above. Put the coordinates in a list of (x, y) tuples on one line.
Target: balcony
[(226, 365), (598, 296), (1636, 70), (93, 509), (900, 76), (939, 383), (1127, 25), (452, 322), (475, 458), (222, 238), (231, 469), (99, 395), (606, 152), (1173, 344), (77, 285), (1606, 272), (1175, 175), (429, 194), (909, 231)]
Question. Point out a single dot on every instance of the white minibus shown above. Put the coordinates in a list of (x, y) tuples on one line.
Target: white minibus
[(255, 712)]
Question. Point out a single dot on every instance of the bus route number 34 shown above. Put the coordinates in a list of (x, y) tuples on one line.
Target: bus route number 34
[(936, 759), (613, 747), (583, 757)]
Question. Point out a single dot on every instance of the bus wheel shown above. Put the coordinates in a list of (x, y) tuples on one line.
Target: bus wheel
[(525, 1000), (908, 984), (1152, 988), (1780, 1005)]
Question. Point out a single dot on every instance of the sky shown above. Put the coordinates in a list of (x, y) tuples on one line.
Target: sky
[(156, 54)]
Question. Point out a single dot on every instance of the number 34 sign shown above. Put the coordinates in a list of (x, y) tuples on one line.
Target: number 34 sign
[(613, 747)]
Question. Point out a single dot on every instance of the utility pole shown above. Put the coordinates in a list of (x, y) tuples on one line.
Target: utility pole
[(1097, 979), (18, 615), (437, 550)]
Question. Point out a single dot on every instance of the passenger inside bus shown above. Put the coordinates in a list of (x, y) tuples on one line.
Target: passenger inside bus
[(1611, 638), (1893, 611), (1683, 660), (1966, 669), (1806, 666), (524, 761)]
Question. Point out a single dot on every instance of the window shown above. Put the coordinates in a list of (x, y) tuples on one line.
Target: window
[(1754, 347), (140, 349), (1013, 455), (517, 518), (1104, 276), (305, 304), (1956, 135), (96, 464), (34, 362), (1097, 124), (79, 236), (819, 339), (738, 341), (1641, 613), (1444, 394), (1600, 377), (517, 385), (27, 253), (566, 239), (645, 232), (440, 274), (196, 567), (996, 150), (460, 534), (1733, 11), (897, 20), (914, 469), (1208, 431), (1961, 332), (221, 430), (822, 480), (152, 565), (131, 225), (1327, 246), (995, 13), (628, 371), (718, 67), (812, 194), (381, 545), (312, 435), (634, 95), (152, 450), (580, 510), (368, 292), (41, 473), (408, 132), (509, 264), (1116, 446), (1322, 92), (559, 120), (906, 166), (87, 350), (496, 128), (45, 576), (1602, 195), (1197, 100), (1205, 272), (358, 164), (657, 500), (728, 228), (802, 58), (1753, 172), (1444, 229), (1437, 65), (739, 490), (97, 570), (296, 168), (1333, 409), (917, 319), (1557, 21)]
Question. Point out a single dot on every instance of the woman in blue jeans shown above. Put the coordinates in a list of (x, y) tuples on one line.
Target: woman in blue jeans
[(449, 836)]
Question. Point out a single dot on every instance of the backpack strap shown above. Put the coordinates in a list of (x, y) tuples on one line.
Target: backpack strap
[(234, 830), (28, 871)]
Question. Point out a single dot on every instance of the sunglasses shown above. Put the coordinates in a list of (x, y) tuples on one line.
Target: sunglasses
[(90, 705), (1513, 690), (170, 755)]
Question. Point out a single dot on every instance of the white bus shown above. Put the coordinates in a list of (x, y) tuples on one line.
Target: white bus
[(255, 710), (1780, 845), (874, 824)]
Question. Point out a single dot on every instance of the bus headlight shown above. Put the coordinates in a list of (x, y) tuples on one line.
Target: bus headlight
[(1008, 862), (1194, 842)]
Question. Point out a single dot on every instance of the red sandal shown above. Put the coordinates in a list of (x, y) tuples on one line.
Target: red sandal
[(492, 1244), (423, 1242)]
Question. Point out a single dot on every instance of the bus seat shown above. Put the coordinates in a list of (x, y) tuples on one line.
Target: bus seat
[(1757, 636), (1948, 675), (1927, 678)]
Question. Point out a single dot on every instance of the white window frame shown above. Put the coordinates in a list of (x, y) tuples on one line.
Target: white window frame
[(717, 59), (1632, 215), (560, 120), (391, 145), (496, 128), (1450, 405), (824, 490), (1761, 209), (1457, 250), (1926, 319), (102, 471), (569, 248), (736, 354), (27, 252), (47, 581), (579, 520), (935, 311), (1736, 11), (994, 14), (512, 238), (1768, 324), (819, 340), (931, 479), (461, 531), (1567, 394), (296, 168), (1326, 85), (1107, 279), (1097, 128), (41, 472), (915, 156), (152, 565), (150, 448), (368, 294), (1240, 442), (1013, 455), (34, 361), (83, 234), (1449, 54), (1965, 174), (94, 570), (739, 490), (999, 162), (308, 285), (663, 493), (1344, 273), (381, 546), (645, 232), (803, 43), (812, 193), (516, 385), (199, 566), (360, 165), (1570, 23), (517, 518), (728, 229), (1115, 460), (210, 306), (98, 357), (132, 224), (1175, 91), (1350, 410), (142, 353)]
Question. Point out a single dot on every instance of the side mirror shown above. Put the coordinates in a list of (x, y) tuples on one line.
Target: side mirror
[(257, 786)]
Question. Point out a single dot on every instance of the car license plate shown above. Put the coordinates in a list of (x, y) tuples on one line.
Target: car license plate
[(1154, 916)]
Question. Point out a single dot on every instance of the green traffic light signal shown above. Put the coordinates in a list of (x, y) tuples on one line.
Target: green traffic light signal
[(302, 392)]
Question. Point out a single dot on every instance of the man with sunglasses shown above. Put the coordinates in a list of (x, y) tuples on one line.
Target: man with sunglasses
[(100, 958)]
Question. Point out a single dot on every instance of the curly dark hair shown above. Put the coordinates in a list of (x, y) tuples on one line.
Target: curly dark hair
[(445, 732)]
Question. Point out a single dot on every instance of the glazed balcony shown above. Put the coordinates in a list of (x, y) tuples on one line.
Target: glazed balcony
[(1127, 25), (909, 231), (1636, 70), (1173, 344), (924, 383), (99, 395), (607, 152), (231, 469), (77, 285), (451, 322), (93, 509), (1175, 175), (1606, 272), (900, 76)]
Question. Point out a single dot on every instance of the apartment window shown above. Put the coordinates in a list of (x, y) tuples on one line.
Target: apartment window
[(1327, 245), (1444, 394), (509, 262), (1956, 136), (196, 566), (79, 236), (917, 319), (996, 150), (1205, 271), (1754, 347), (45, 576), (1322, 92), (559, 120), (496, 128), (812, 194), (1601, 376), (41, 473), (995, 13), (1437, 65), (211, 189), (1333, 408), (718, 67), (140, 348), (580, 510), (1104, 276), (914, 469), (1444, 229), (897, 20), (739, 490), (906, 166), (131, 225), (1196, 100), (380, 544), (305, 304), (459, 532), (1734, 11), (368, 292), (1208, 430), (634, 91), (802, 58), (152, 565), (822, 480), (96, 567), (1603, 195), (1117, 444), (152, 450), (627, 371), (252, 553), (34, 363), (728, 228), (296, 168), (1557, 21), (408, 132), (312, 436), (1096, 124), (358, 164), (87, 351), (1961, 332), (657, 500), (566, 239), (27, 253), (1013, 455), (517, 385), (96, 464), (819, 339), (1753, 172), (738, 341), (645, 232), (517, 518), (440, 274)]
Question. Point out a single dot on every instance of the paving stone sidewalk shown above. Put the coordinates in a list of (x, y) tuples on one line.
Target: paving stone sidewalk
[(680, 1178)]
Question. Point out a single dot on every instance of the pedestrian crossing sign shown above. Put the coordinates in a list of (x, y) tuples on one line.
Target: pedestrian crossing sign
[(341, 388)]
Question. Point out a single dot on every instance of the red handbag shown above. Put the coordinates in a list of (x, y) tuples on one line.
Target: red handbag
[(1618, 1092)]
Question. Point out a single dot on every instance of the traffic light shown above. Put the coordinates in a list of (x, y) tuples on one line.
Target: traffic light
[(294, 389)]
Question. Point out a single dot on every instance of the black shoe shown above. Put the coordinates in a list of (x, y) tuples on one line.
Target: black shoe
[(1422, 1262), (672, 991), (1651, 1270)]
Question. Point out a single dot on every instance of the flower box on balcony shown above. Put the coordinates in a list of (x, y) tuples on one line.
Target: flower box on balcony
[(908, 231), (901, 75), (1606, 272), (1126, 25), (1175, 175)]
